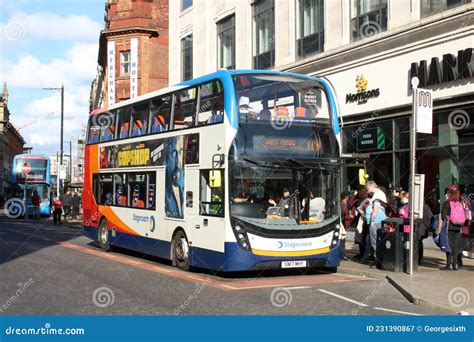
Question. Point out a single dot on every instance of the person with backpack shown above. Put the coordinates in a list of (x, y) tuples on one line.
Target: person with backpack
[(454, 217)]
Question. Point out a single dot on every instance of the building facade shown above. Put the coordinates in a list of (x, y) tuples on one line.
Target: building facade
[(133, 51), (11, 144), (369, 50)]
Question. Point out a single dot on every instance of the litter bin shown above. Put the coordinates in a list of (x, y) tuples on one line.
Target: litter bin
[(393, 246)]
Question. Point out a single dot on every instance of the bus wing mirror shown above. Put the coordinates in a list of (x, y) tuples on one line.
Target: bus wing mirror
[(215, 180)]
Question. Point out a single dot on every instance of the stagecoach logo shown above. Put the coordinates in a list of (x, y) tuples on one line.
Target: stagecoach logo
[(145, 219), (286, 244), (362, 95)]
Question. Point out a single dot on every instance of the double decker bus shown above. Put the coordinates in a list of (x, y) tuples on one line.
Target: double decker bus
[(31, 177), (233, 171)]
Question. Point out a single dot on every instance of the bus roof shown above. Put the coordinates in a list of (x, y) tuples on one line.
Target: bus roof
[(220, 74), (31, 156)]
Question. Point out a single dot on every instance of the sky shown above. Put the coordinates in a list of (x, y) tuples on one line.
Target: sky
[(46, 43)]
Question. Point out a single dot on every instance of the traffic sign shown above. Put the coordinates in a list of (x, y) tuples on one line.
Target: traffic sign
[(424, 110)]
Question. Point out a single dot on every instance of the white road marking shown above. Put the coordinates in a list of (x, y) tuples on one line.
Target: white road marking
[(397, 311), (343, 298), (297, 288)]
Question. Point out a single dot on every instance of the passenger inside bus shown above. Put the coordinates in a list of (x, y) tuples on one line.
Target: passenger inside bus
[(108, 133)]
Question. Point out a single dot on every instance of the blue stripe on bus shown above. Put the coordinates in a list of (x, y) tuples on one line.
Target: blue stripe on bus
[(234, 259)]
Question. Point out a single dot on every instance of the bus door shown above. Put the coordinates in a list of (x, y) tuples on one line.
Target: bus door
[(205, 208)]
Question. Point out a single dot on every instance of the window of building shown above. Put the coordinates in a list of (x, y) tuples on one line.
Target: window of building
[(123, 126), (368, 18), (211, 200), (226, 42), (125, 63), (185, 108), (430, 7), (211, 103), (311, 27), (160, 114), (140, 116), (185, 4), (187, 58), (264, 34)]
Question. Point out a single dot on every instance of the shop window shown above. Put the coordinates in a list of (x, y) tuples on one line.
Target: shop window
[(311, 27), (140, 116), (368, 18), (191, 146), (106, 189), (264, 34), (430, 7), (185, 108), (121, 190), (211, 103), (212, 193), (368, 137), (137, 190), (402, 133), (160, 114), (123, 127)]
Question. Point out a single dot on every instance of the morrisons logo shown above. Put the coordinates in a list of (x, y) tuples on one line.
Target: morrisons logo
[(362, 95)]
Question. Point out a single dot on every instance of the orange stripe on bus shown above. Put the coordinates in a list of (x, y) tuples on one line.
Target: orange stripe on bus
[(113, 219)]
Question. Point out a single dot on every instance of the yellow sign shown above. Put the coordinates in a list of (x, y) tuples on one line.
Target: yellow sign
[(362, 176), (215, 178), (138, 157)]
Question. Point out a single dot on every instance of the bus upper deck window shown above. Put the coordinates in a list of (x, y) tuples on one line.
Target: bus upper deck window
[(123, 122), (94, 134), (211, 103), (160, 114), (185, 108), (140, 119)]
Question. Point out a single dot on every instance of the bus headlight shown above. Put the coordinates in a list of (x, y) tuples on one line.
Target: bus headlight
[(241, 235)]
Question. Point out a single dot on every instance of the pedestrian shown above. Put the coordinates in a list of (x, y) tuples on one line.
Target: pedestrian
[(361, 229), (454, 217), (67, 204), (36, 201), (76, 203), (58, 208), (395, 198), (375, 214), (346, 222)]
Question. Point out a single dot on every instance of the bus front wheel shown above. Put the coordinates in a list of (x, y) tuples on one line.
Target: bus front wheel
[(103, 236), (181, 251)]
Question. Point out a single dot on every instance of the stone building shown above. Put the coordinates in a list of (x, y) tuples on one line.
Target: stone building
[(11, 144), (133, 51)]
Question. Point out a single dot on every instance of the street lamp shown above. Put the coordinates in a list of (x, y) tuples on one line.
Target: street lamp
[(61, 89)]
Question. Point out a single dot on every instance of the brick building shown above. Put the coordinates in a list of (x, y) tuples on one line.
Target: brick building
[(133, 51), (11, 143)]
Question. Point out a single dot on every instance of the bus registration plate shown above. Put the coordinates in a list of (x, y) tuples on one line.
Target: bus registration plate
[(293, 264)]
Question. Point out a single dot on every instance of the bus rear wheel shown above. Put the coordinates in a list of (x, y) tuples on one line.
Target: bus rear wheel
[(103, 236), (181, 251)]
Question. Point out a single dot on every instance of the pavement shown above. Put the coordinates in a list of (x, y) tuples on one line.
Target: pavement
[(62, 272), (428, 286)]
